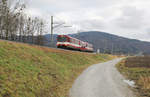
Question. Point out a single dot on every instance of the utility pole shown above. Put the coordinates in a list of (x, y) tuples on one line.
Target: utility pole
[(52, 23), (52, 29)]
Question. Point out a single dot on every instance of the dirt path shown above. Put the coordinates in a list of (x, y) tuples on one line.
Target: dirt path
[(101, 80)]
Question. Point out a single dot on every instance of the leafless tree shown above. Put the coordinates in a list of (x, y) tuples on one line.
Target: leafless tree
[(16, 25), (40, 31)]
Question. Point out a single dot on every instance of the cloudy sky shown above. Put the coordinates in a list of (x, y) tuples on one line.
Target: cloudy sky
[(128, 18)]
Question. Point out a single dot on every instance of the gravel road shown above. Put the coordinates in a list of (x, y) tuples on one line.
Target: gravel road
[(101, 80)]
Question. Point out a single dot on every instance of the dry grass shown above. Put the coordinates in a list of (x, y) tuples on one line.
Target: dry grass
[(33, 71), (144, 82), (137, 69), (138, 62)]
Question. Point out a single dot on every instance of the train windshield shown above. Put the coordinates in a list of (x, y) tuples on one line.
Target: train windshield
[(61, 39)]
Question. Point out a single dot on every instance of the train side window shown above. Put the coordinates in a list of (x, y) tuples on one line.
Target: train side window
[(62, 39), (68, 39), (76, 41), (71, 40)]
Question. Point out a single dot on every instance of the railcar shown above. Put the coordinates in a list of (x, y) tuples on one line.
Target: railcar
[(67, 42)]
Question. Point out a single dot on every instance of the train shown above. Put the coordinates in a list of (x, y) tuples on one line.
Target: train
[(68, 42)]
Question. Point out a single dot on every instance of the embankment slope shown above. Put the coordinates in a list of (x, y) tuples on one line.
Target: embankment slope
[(33, 71)]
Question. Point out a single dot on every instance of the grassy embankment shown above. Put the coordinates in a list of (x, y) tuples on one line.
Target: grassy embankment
[(137, 69), (32, 71)]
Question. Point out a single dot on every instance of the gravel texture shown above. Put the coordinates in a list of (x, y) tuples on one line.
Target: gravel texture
[(101, 80)]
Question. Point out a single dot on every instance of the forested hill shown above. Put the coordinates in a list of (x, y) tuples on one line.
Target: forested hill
[(109, 43), (112, 43)]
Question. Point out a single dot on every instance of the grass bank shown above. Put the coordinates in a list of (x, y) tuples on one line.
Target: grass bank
[(32, 71), (137, 69)]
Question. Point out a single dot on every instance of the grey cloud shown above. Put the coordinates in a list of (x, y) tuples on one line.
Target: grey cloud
[(129, 18), (69, 5), (92, 24)]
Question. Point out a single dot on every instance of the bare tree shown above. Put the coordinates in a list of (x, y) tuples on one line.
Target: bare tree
[(40, 31), (33, 28), (16, 25), (9, 13), (21, 27)]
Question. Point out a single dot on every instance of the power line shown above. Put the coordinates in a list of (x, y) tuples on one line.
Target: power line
[(53, 27)]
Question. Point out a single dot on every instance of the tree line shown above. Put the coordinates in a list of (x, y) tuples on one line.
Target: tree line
[(15, 25)]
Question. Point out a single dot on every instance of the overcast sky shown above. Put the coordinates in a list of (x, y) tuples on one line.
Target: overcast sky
[(128, 18)]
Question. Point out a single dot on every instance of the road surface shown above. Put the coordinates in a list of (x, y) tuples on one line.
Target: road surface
[(101, 80)]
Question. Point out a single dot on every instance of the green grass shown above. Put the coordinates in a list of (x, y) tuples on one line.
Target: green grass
[(32, 71), (137, 69)]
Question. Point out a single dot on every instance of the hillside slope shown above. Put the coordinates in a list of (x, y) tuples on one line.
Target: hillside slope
[(32, 71), (112, 43)]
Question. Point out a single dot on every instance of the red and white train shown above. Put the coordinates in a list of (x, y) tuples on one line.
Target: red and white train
[(67, 42)]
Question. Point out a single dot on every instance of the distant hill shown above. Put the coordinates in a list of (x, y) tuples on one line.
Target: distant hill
[(47, 41), (108, 43)]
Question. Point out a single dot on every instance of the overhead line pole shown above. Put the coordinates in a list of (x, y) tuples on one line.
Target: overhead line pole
[(52, 23), (52, 29)]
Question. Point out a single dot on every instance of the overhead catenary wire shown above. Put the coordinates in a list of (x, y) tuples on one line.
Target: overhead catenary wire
[(53, 26)]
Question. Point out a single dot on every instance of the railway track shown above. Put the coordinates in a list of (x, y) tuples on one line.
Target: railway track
[(45, 46)]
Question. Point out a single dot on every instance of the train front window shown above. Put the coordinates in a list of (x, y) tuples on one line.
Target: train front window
[(61, 39)]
